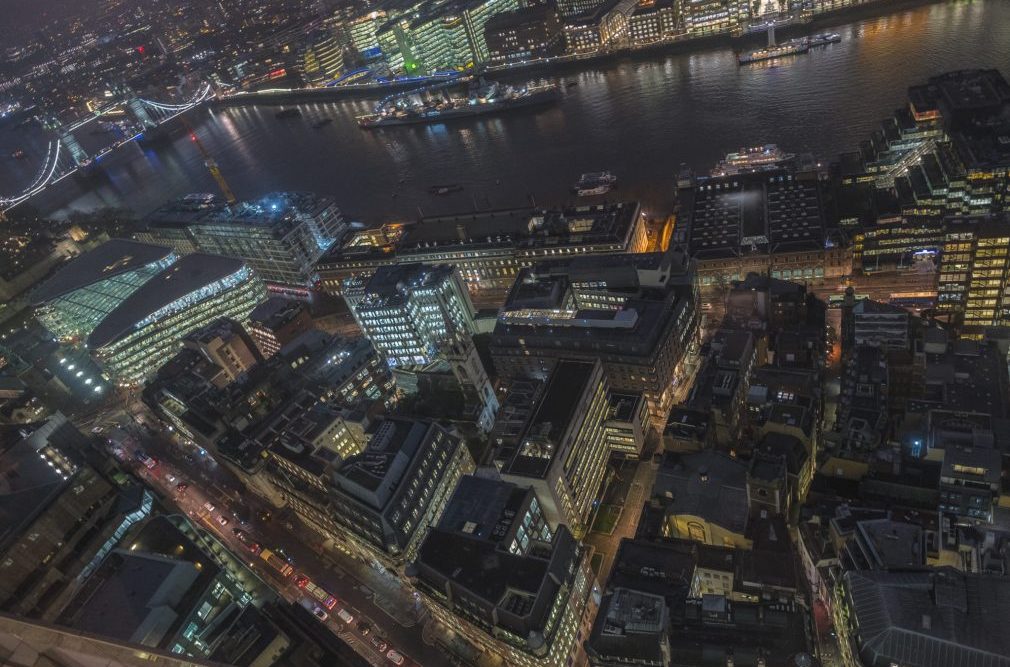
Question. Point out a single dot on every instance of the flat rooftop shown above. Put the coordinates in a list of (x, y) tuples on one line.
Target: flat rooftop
[(516, 229), (536, 450), (483, 508), (276, 208)]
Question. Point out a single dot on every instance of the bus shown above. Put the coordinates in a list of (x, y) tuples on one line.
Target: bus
[(278, 564), (916, 300), (836, 300), (318, 593)]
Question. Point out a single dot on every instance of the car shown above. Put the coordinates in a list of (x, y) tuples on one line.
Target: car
[(345, 616), (301, 581), (364, 628), (181, 487), (315, 609), (208, 506), (394, 657), (379, 643), (170, 478), (190, 458), (223, 520), (263, 516)]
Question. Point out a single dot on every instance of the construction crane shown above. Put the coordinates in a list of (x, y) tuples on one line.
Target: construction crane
[(212, 167)]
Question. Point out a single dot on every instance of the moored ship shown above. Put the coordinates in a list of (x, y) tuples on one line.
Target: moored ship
[(595, 183), (755, 158), (790, 47), (492, 98)]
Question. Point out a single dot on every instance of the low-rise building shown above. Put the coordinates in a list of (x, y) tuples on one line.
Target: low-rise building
[(935, 617), (703, 497), (490, 247), (771, 223), (276, 322), (225, 344)]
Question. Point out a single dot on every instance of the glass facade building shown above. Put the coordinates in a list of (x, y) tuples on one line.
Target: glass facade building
[(75, 300), (408, 311), (147, 328), (280, 235)]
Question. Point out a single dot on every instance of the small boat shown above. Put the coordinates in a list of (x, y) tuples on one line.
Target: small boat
[(322, 123), (444, 189), (595, 183), (18, 154), (293, 112)]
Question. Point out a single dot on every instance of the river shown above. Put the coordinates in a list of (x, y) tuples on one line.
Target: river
[(638, 117)]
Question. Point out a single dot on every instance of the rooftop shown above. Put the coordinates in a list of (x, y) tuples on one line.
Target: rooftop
[(483, 508), (110, 259), (931, 619), (274, 209), (36, 462), (532, 454), (512, 582), (736, 215), (708, 484), (190, 274), (134, 597)]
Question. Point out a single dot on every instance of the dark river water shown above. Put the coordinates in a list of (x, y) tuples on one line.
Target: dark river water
[(640, 118)]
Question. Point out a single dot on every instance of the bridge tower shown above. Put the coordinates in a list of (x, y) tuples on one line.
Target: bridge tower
[(140, 113), (68, 141)]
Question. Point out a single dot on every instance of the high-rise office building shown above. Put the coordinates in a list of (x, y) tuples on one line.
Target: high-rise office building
[(385, 498), (551, 436), (476, 14), (280, 235), (637, 314), (364, 32), (319, 58), (974, 287), (408, 311), (494, 571), (77, 298), (147, 328), (572, 8), (708, 17)]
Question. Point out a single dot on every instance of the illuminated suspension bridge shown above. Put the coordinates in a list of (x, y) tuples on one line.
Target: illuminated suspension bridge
[(139, 118)]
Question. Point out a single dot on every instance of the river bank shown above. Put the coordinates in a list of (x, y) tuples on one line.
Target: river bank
[(563, 65), (640, 118)]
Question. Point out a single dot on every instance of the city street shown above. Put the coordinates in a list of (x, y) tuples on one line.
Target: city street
[(213, 496)]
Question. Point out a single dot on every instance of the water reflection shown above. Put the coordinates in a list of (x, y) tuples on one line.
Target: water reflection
[(640, 119)]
